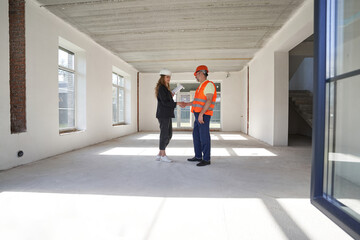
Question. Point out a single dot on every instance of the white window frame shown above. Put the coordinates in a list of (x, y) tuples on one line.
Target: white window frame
[(118, 88), (73, 71)]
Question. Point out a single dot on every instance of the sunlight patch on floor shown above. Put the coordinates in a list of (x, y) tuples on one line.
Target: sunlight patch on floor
[(220, 152), (232, 137), (81, 216), (253, 152), (156, 136), (184, 136), (152, 151)]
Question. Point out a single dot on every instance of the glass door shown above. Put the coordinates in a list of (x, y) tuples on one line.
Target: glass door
[(215, 121), (342, 176), (335, 182), (185, 119)]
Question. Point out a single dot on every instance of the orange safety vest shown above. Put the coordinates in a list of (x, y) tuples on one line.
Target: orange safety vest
[(200, 99)]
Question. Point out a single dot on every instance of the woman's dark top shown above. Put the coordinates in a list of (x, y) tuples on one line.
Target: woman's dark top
[(166, 104)]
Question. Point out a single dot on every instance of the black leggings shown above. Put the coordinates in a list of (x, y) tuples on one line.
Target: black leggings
[(165, 132)]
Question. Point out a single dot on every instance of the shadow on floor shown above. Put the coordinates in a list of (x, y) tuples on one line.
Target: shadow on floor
[(299, 140)]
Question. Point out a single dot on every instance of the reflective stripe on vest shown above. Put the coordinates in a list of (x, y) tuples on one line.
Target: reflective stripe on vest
[(200, 99)]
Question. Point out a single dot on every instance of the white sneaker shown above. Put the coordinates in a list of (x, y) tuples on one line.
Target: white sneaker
[(158, 157), (166, 159)]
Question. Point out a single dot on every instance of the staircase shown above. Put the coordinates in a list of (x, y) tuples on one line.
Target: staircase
[(302, 102)]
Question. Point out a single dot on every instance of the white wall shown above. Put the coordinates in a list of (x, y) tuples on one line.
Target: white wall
[(268, 111), (42, 138), (281, 98), (303, 78), (230, 98), (243, 100)]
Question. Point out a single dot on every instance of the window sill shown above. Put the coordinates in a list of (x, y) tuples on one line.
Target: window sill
[(67, 132), (119, 124)]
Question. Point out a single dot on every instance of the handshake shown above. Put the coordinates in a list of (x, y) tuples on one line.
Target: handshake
[(184, 104)]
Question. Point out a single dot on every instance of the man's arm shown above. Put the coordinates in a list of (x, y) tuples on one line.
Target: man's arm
[(209, 97), (188, 103)]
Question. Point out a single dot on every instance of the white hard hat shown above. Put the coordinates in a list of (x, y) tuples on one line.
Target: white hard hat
[(165, 72)]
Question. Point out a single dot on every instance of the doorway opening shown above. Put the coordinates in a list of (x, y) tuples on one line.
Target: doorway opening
[(301, 68)]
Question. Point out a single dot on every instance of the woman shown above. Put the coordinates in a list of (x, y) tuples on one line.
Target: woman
[(164, 112)]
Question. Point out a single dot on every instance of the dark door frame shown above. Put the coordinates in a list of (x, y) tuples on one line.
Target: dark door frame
[(318, 198)]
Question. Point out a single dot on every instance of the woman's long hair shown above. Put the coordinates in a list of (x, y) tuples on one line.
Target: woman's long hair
[(161, 82)]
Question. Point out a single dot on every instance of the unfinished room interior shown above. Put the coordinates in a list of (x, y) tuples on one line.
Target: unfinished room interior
[(79, 136)]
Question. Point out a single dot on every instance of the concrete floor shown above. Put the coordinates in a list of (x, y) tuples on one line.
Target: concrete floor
[(116, 190)]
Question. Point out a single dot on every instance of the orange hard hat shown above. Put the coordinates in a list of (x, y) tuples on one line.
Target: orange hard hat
[(201, 67)]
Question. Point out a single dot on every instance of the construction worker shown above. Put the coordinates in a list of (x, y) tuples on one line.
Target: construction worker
[(202, 106)]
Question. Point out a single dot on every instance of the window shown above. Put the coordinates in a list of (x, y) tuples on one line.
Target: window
[(174, 120), (67, 91), (118, 99), (215, 121)]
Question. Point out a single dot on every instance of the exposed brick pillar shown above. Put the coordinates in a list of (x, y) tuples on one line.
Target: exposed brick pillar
[(17, 65)]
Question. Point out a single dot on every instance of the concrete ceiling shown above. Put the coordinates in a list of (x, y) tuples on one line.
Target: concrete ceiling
[(178, 34)]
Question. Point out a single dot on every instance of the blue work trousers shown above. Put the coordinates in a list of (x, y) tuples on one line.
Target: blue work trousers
[(201, 137)]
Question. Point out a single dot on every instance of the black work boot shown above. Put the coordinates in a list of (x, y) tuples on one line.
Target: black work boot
[(194, 159), (203, 163)]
